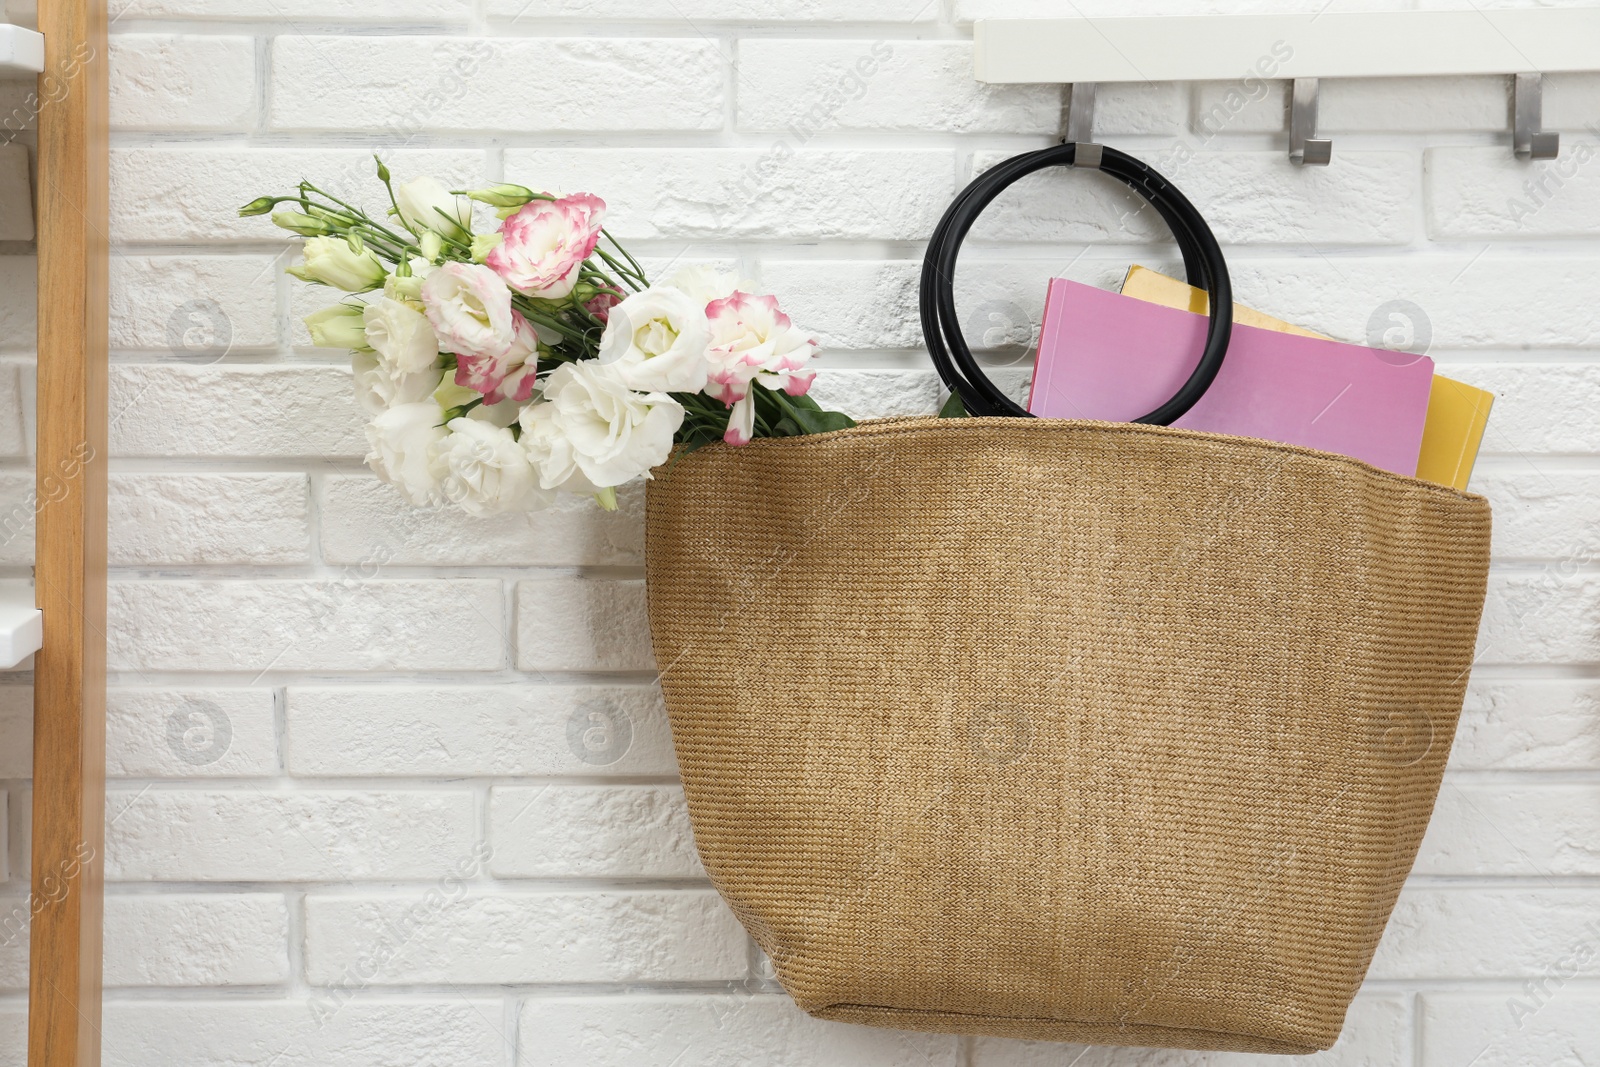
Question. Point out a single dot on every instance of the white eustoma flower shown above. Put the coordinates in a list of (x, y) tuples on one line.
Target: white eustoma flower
[(551, 452), (484, 471), (380, 387), (338, 262), (402, 440), (401, 335), (705, 284), (598, 427), (425, 204), (655, 341)]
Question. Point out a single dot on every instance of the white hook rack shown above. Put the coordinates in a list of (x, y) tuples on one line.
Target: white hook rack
[(21, 50), (21, 624), (1301, 48)]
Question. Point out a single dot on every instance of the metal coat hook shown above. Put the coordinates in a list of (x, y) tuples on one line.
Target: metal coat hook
[(1077, 112), (1527, 115), (1305, 148), (1077, 123)]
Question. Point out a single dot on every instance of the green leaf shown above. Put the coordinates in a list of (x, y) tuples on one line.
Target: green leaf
[(802, 401), (827, 421), (953, 408), (810, 418), (698, 439)]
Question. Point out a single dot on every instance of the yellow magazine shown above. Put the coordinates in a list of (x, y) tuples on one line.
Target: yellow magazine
[(1457, 413)]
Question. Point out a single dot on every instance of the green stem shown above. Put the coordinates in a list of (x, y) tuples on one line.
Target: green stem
[(526, 308), (458, 412), (588, 271), (464, 246), (359, 213), (636, 282), (386, 243), (595, 324), (387, 184), (638, 270)]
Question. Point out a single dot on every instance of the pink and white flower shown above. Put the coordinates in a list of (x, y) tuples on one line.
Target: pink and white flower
[(545, 244), (508, 376), (601, 303), (753, 341), (470, 310)]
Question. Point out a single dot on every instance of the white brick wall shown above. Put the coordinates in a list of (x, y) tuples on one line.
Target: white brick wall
[(455, 84), (712, 1031), (395, 788), (181, 939), (521, 938)]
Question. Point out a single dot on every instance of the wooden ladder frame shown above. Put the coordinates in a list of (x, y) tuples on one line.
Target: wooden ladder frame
[(69, 674)]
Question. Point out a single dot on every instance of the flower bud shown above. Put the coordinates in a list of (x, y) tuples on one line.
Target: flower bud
[(339, 326), (432, 246), (502, 195), (304, 225), (259, 206), (408, 288), (424, 204), (406, 282), (340, 263), (484, 243), (449, 395)]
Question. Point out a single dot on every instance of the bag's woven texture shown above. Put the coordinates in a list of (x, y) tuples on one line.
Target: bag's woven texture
[(1062, 730)]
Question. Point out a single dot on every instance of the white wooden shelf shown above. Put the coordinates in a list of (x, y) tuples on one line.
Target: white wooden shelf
[(1332, 45), (21, 51), (21, 624)]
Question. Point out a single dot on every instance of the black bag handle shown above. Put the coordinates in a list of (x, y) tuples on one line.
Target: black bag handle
[(1202, 262)]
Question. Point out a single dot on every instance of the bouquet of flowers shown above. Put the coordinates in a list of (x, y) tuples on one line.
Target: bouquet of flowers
[(503, 368)]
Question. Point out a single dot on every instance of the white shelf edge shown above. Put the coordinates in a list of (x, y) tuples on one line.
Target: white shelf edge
[(1332, 45), (21, 50), (21, 624)]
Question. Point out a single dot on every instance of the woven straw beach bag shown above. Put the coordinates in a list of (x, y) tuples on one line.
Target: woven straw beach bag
[(1062, 730), (1057, 729)]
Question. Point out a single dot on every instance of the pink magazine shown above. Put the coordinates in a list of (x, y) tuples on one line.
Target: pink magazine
[(1107, 356)]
